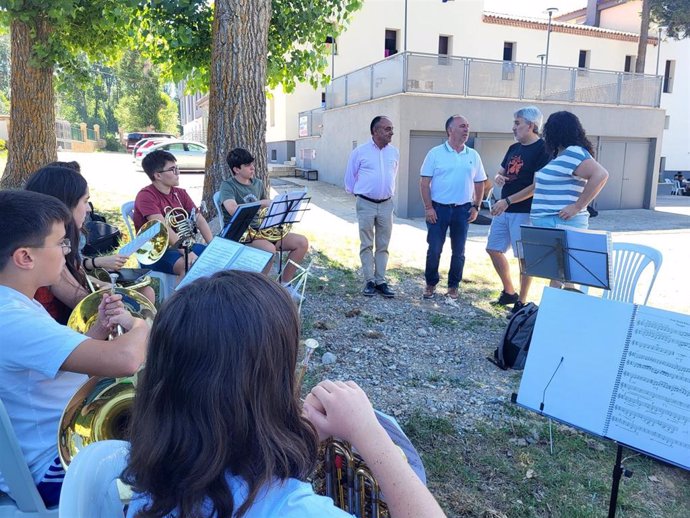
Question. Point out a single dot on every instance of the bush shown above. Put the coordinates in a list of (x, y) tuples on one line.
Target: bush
[(3, 145), (112, 143)]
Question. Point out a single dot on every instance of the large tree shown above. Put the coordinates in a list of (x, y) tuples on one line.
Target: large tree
[(45, 36), (252, 45), (672, 15)]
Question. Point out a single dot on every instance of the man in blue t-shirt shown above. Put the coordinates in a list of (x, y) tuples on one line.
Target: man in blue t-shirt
[(522, 160)]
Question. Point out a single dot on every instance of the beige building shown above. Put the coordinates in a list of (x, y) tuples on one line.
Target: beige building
[(455, 57)]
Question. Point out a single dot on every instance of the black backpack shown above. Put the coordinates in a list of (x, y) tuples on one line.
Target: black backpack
[(511, 352)]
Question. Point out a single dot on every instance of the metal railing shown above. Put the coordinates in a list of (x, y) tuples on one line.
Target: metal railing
[(471, 77)]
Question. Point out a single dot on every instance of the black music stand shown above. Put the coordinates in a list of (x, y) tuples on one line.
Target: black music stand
[(566, 255), (285, 209), (240, 222)]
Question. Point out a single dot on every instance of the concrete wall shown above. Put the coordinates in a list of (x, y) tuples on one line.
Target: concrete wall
[(284, 151), (490, 123)]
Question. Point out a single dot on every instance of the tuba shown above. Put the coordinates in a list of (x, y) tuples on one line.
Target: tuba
[(272, 234), (102, 406), (341, 473)]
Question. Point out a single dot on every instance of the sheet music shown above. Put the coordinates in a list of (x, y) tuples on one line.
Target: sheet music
[(140, 240), (278, 210), (652, 406), (250, 260), (223, 254), (625, 373)]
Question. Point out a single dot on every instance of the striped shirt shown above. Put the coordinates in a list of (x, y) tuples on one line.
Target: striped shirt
[(556, 184)]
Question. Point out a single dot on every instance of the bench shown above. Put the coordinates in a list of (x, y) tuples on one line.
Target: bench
[(309, 174)]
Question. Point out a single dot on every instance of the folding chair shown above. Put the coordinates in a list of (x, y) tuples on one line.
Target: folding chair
[(167, 281), (25, 501)]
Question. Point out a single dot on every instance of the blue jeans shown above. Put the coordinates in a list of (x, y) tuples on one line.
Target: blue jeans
[(457, 219)]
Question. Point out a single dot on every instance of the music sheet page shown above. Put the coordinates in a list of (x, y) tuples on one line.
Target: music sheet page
[(651, 410)]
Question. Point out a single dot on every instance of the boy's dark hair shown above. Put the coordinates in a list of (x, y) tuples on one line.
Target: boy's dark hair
[(155, 161), (27, 219), (239, 157), (69, 165), (239, 410)]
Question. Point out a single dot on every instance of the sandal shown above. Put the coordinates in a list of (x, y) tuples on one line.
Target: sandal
[(429, 292)]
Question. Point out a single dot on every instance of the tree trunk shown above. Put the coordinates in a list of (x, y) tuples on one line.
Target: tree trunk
[(237, 93), (644, 34), (32, 112)]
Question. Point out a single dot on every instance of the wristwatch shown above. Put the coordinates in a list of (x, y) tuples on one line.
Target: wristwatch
[(508, 202), (476, 207)]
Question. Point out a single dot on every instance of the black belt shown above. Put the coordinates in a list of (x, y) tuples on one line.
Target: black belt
[(452, 205), (371, 199)]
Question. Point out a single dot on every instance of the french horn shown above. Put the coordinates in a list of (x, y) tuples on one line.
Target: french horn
[(153, 249)]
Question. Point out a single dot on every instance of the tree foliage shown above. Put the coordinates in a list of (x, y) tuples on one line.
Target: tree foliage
[(177, 35), (673, 15)]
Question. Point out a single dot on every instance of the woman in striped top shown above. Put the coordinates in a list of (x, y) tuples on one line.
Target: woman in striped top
[(564, 187)]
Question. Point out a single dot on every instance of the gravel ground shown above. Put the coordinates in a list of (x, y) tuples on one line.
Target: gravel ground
[(411, 354)]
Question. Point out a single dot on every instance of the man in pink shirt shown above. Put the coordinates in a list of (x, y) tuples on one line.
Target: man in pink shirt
[(370, 176)]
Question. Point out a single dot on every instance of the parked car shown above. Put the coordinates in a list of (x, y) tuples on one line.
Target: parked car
[(147, 142), (190, 156), (133, 138)]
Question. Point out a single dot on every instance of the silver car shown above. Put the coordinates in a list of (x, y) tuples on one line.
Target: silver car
[(190, 156)]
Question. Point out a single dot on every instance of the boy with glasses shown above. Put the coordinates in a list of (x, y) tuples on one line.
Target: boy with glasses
[(43, 363), (153, 203)]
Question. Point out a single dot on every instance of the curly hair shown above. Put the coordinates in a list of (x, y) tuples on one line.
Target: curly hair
[(217, 398), (563, 129)]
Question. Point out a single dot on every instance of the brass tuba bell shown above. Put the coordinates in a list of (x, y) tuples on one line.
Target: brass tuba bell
[(101, 407), (155, 247)]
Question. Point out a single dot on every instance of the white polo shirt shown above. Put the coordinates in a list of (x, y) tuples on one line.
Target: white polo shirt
[(453, 174)]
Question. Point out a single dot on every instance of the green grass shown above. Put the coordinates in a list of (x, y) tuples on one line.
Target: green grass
[(494, 472)]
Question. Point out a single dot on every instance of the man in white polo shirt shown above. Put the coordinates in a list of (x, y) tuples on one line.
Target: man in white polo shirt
[(370, 176), (452, 187)]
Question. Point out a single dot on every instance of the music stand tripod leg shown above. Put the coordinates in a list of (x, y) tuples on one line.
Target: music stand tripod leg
[(618, 471)]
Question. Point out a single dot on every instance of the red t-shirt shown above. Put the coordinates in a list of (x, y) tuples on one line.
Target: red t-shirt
[(53, 305), (151, 201)]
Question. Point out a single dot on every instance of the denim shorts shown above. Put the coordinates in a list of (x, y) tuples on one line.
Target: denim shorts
[(166, 263), (578, 221), (504, 232)]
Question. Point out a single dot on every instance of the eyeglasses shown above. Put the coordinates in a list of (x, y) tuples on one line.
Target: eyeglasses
[(66, 245), (174, 170)]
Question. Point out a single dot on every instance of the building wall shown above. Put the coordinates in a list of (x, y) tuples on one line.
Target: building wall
[(416, 115)]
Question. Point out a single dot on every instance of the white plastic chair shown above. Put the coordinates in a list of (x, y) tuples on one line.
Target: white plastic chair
[(25, 501), (677, 188), (216, 202), (629, 262), (167, 281), (91, 488)]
